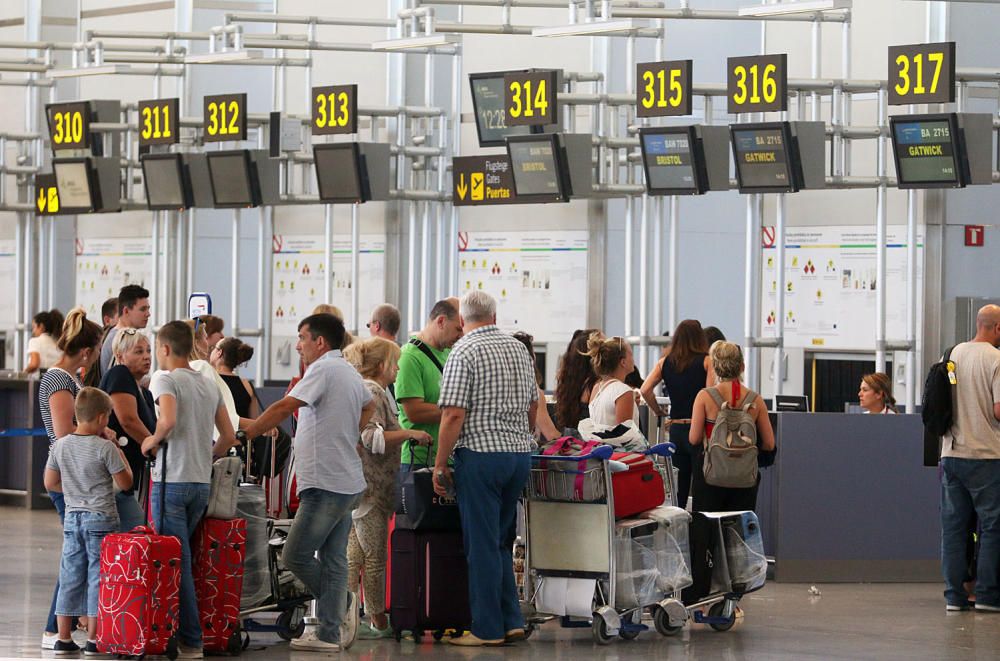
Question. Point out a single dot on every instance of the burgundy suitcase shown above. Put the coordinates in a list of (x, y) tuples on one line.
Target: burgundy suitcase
[(217, 551), (139, 599), (429, 583), (640, 488)]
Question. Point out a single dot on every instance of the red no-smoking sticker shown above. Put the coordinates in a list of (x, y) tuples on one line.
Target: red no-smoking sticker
[(767, 235)]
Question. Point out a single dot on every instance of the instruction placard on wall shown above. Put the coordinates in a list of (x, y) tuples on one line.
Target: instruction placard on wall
[(8, 297), (104, 266), (298, 286), (831, 287), (538, 278)]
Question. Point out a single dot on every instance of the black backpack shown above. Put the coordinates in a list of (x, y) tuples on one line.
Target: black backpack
[(937, 413)]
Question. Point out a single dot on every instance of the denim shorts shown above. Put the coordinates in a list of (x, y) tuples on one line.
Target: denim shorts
[(80, 566)]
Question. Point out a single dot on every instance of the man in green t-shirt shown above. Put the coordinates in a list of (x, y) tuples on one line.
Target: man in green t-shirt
[(418, 383)]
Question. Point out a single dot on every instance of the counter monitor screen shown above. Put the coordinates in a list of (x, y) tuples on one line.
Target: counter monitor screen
[(491, 116), (762, 158), (232, 180), (164, 179), (73, 182), (669, 161), (927, 152), (536, 164), (339, 172)]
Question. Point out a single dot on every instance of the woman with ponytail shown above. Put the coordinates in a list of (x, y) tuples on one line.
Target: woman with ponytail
[(43, 352), (226, 356), (80, 345), (612, 401)]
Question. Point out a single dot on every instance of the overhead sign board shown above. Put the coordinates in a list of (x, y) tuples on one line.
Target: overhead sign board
[(69, 125), (225, 117), (482, 180), (530, 97), (334, 109), (158, 122), (46, 195), (922, 73), (663, 89), (757, 84)]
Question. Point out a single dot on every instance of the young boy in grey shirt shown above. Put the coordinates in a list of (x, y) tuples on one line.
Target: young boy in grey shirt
[(190, 409), (85, 466)]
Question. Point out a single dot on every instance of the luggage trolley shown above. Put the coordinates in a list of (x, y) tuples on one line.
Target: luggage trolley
[(570, 533)]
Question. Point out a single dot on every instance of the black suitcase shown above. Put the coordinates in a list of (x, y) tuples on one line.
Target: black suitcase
[(429, 583), (706, 555)]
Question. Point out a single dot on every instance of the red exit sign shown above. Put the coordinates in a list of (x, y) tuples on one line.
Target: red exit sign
[(974, 235)]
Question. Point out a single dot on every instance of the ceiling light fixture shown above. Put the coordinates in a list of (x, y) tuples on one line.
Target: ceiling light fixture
[(795, 7), (96, 70), (224, 57), (623, 26), (421, 41)]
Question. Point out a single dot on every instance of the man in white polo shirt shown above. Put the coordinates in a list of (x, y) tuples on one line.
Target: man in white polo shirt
[(333, 406)]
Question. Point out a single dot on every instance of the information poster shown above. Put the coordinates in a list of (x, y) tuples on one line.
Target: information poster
[(538, 278), (104, 266), (298, 286), (831, 287), (8, 299)]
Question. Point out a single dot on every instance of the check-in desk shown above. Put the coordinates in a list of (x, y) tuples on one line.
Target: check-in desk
[(849, 500), (24, 447)]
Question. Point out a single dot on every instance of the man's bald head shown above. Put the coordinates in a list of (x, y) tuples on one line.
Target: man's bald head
[(988, 317)]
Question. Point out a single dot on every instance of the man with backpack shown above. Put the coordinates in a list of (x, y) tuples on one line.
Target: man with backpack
[(970, 466)]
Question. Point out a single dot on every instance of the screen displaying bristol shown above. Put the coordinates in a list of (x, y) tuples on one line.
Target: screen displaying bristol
[(668, 161), (925, 151)]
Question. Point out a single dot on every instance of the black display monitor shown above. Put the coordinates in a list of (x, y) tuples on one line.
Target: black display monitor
[(798, 403), (538, 163), (168, 185), (766, 160), (76, 181), (673, 161), (341, 174), (234, 179), (491, 116), (929, 151)]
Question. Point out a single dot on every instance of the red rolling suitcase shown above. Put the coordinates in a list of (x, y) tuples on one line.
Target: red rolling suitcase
[(638, 489), (138, 610), (217, 552), (430, 583)]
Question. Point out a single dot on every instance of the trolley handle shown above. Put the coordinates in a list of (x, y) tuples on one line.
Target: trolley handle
[(662, 449), (602, 453)]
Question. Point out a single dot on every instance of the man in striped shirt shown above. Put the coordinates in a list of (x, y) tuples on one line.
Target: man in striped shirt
[(488, 402)]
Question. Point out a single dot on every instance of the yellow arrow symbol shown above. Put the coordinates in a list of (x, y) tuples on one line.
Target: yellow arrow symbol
[(42, 200), (461, 188)]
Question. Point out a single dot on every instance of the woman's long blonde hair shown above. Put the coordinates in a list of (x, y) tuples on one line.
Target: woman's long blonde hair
[(371, 355)]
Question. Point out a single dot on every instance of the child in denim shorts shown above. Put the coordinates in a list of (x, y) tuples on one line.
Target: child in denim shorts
[(85, 466)]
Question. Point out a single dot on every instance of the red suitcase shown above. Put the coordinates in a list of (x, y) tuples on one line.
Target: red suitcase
[(638, 489), (139, 598), (217, 551)]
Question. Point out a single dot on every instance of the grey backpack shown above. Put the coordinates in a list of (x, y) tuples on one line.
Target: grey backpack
[(731, 450)]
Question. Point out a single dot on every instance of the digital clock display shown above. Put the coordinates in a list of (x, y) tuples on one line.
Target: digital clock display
[(491, 116)]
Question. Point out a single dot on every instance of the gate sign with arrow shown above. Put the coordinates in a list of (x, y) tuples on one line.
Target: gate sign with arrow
[(482, 180), (46, 195)]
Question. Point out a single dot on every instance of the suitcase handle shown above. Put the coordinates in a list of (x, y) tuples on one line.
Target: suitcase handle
[(662, 449)]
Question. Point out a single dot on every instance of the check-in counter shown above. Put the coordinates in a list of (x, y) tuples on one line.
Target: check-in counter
[(849, 500), (24, 447)]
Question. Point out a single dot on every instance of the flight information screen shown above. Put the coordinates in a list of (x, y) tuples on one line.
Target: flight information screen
[(491, 117), (536, 167), (925, 152), (761, 155), (669, 161)]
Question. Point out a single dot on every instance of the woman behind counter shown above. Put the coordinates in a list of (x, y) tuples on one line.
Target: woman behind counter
[(875, 394)]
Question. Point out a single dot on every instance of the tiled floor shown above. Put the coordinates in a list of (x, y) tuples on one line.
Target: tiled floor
[(783, 621)]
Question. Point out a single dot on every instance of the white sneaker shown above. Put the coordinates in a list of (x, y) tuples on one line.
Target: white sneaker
[(349, 625), (309, 641), (79, 637), (49, 640)]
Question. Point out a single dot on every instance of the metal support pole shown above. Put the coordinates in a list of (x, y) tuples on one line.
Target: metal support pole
[(189, 251), (234, 287), (672, 276), (328, 252), (749, 332), (779, 349), (20, 316), (179, 245), (880, 236), (425, 240), (442, 258), (268, 274), (657, 214), (157, 319), (644, 285), (263, 282), (355, 268), (911, 299), (629, 260), (51, 277)]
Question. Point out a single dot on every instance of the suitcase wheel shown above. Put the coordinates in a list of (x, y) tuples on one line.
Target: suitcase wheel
[(235, 644), (438, 635), (172, 649)]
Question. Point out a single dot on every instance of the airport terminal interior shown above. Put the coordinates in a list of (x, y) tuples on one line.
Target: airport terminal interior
[(790, 197)]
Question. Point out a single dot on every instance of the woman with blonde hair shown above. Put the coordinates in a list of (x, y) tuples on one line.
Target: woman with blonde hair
[(875, 394), (612, 402), (727, 361), (376, 359)]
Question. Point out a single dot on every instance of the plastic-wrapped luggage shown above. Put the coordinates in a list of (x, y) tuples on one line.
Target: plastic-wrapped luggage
[(252, 507), (744, 551), (217, 552), (727, 554), (651, 557)]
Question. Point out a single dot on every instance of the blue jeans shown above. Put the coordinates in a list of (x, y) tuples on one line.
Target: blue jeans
[(51, 626), (967, 486), (185, 506), (322, 524), (488, 486), (130, 514), (80, 566)]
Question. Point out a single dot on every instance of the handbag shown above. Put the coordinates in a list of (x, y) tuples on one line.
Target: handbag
[(226, 474), (422, 509)]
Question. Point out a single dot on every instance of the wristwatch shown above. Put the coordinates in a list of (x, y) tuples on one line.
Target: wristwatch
[(241, 436)]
